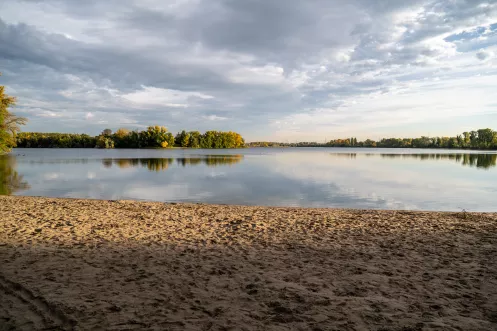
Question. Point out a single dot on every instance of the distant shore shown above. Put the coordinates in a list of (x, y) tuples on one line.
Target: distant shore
[(88, 264)]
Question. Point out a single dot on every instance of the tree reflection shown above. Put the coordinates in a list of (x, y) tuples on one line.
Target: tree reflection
[(10, 180), (215, 160), (162, 164), (480, 160), (346, 155), (189, 161), (484, 161), (156, 164), (107, 163)]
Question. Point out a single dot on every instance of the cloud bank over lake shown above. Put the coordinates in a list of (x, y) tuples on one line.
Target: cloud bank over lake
[(274, 70)]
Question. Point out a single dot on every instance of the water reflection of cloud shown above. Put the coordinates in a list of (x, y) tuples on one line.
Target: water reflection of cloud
[(170, 192), (51, 176), (311, 178), (217, 174), (316, 182), (400, 184)]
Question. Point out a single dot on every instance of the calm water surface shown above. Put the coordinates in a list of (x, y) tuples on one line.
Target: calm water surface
[(310, 177)]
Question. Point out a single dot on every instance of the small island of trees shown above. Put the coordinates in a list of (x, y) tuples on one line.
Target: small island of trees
[(152, 137)]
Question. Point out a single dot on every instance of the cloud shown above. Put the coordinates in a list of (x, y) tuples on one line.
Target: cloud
[(215, 118), (164, 97), (49, 114), (251, 63), (484, 55)]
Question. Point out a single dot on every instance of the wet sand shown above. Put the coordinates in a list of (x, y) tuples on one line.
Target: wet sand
[(123, 265)]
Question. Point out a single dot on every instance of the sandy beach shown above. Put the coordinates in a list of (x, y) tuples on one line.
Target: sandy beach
[(123, 265)]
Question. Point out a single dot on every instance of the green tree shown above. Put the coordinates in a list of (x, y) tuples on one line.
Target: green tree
[(153, 137), (104, 142), (473, 137), (460, 141), (107, 132), (485, 137), (207, 139), (466, 139), (49, 140), (369, 143), (182, 139), (121, 133), (453, 143), (194, 141), (185, 140), (156, 137), (170, 139), (122, 138), (134, 140)]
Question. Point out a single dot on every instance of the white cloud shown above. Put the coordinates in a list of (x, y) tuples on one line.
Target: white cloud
[(165, 97), (51, 176), (46, 113), (215, 118), (420, 102), (343, 57), (268, 74), (484, 55)]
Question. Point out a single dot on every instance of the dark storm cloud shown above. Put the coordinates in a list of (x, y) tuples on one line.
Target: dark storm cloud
[(230, 64), (123, 68)]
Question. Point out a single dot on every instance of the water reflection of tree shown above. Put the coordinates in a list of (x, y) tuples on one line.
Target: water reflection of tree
[(150, 164), (162, 164), (156, 164), (10, 180), (189, 161), (484, 161), (480, 160), (346, 155), (211, 160)]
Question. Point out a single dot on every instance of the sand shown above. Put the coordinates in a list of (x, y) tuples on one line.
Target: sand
[(123, 265)]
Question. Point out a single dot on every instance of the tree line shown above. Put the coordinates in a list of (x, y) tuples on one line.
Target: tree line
[(152, 137), (485, 139)]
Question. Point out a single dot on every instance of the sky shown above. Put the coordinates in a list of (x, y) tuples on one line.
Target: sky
[(274, 70)]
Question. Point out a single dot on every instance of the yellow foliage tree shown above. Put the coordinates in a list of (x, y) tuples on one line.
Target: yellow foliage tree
[(9, 123)]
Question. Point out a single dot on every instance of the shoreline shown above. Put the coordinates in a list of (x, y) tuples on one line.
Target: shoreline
[(481, 150), (120, 264), (458, 213)]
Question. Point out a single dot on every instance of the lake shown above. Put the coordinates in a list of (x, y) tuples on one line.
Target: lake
[(309, 177)]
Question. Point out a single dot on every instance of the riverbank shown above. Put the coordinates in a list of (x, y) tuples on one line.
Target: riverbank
[(122, 265)]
